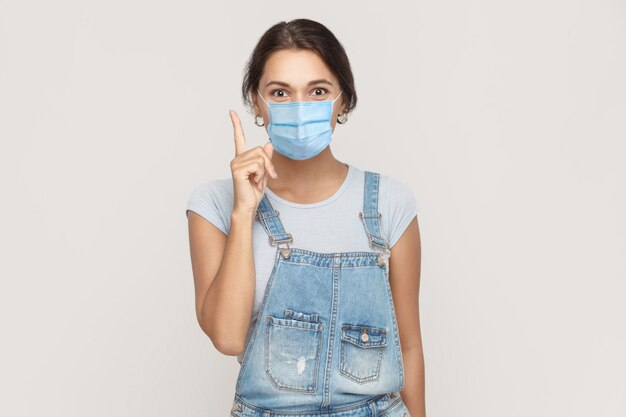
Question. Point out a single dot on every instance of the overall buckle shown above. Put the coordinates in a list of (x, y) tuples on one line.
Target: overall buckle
[(285, 252)]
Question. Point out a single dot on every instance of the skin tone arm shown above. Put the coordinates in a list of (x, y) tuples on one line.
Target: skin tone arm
[(222, 294), (223, 266), (404, 278)]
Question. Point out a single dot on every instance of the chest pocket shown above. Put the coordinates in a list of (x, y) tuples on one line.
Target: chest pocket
[(361, 352), (292, 351)]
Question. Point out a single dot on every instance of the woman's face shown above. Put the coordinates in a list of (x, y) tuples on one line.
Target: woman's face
[(296, 75)]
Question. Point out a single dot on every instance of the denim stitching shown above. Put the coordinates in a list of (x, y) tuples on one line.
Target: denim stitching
[(292, 325), (391, 407), (396, 334), (253, 336), (347, 344)]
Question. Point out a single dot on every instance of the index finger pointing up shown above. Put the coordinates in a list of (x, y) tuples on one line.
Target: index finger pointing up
[(240, 139)]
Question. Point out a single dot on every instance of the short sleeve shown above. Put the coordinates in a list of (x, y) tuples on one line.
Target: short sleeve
[(400, 206), (213, 201)]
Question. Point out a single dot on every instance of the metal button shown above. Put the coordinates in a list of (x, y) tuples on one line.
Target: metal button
[(380, 259), (364, 336), (285, 252)]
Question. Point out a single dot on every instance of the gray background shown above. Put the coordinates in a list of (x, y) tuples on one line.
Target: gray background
[(505, 118)]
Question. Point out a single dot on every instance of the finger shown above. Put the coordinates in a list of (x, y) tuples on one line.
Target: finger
[(240, 139), (264, 183), (261, 151), (260, 181), (268, 148), (256, 170)]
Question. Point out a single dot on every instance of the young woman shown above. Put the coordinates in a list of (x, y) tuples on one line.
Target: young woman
[(306, 267)]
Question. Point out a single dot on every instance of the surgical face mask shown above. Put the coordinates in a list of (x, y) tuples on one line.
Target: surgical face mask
[(300, 129)]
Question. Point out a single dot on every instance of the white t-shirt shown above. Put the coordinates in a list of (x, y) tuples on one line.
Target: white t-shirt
[(330, 225)]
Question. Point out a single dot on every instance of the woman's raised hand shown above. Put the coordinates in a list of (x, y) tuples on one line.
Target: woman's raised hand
[(249, 168)]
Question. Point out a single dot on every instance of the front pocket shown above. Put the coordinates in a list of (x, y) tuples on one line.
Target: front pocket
[(362, 351), (292, 353)]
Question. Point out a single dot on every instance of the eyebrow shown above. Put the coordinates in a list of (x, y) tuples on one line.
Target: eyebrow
[(320, 81)]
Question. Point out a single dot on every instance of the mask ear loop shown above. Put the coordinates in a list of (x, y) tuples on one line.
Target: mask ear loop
[(263, 98), (268, 106)]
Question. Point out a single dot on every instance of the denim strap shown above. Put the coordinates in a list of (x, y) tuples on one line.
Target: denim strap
[(268, 217), (370, 216)]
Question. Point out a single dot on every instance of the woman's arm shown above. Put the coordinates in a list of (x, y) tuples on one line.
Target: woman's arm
[(224, 279), (404, 278), (223, 266)]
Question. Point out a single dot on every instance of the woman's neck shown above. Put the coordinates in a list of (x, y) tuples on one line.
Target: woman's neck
[(307, 181)]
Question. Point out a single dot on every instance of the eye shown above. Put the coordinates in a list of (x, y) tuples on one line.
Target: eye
[(323, 91), (279, 90)]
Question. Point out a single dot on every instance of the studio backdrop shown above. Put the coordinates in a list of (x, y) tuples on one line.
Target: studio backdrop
[(505, 119)]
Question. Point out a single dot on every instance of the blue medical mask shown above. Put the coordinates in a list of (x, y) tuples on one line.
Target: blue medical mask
[(300, 129)]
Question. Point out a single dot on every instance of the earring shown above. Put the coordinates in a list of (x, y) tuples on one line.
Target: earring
[(256, 120), (342, 118)]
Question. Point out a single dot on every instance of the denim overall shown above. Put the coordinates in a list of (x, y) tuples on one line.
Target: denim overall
[(326, 340)]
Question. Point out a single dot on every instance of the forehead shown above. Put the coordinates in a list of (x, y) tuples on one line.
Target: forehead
[(296, 67)]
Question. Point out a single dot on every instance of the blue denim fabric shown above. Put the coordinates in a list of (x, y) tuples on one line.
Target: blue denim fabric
[(326, 339)]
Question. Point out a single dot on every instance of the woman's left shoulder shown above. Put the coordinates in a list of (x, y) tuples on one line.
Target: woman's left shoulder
[(398, 206), (395, 190)]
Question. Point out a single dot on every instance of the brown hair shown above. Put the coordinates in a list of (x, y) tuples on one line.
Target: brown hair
[(300, 34)]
